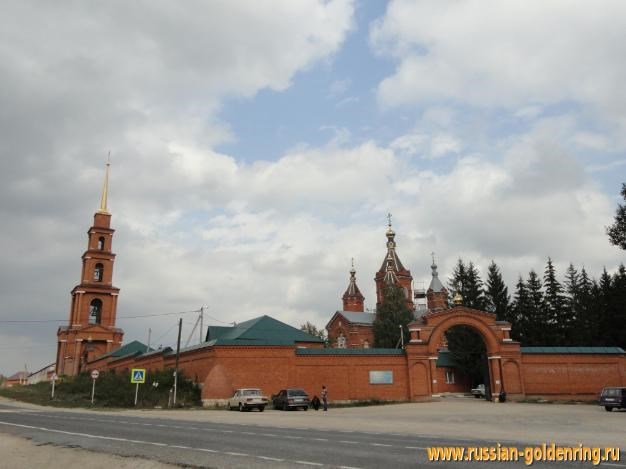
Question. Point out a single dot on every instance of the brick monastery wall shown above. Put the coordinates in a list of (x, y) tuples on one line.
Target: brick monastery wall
[(221, 370), (576, 377)]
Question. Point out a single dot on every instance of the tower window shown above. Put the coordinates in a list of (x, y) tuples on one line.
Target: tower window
[(95, 311), (98, 272), (101, 243), (449, 377)]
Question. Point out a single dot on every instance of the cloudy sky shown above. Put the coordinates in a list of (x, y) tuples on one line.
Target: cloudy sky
[(257, 148)]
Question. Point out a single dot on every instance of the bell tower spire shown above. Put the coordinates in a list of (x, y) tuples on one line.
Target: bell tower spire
[(392, 272), (91, 329), (105, 187)]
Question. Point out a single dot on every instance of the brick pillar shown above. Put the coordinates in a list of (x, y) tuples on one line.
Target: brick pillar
[(494, 367), (433, 376)]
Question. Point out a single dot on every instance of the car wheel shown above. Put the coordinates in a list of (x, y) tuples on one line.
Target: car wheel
[(262, 408), (608, 408), (306, 407), (476, 396), (285, 407), (240, 407)]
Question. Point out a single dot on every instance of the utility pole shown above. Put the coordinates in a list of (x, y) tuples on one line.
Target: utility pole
[(180, 326), (401, 336), (149, 334), (201, 323)]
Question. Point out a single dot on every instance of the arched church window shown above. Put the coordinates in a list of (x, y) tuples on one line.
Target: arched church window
[(98, 272), (341, 341), (95, 311), (101, 243)]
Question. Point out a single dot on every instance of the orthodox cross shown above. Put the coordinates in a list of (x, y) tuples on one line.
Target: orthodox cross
[(389, 218)]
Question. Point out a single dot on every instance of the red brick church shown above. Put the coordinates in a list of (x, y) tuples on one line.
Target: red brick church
[(352, 326)]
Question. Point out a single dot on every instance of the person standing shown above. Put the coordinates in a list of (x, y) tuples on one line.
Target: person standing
[(325, 397)]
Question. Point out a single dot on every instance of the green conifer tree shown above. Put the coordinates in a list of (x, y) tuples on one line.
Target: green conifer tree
[(558, 320), (617, 231), (497, 296), (390, 315)]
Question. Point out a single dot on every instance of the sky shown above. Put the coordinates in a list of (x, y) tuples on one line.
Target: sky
[(257, 147)]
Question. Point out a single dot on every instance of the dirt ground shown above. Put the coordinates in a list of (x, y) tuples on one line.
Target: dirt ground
[(20, 453)]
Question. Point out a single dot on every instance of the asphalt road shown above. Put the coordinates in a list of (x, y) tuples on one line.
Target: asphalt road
[(211, 444)]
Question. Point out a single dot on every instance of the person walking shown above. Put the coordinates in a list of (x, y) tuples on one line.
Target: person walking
[(325, 397)]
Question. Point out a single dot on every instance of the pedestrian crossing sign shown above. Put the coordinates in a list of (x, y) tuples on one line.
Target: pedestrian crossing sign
[(138, 376)]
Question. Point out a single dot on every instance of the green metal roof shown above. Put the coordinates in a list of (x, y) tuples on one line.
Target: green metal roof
[(349, 351), (263, 330), (133, 347), (444, 359), (574, 350)]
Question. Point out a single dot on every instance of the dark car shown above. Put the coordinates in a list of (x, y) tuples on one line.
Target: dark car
[(613, 398), (288, 399)]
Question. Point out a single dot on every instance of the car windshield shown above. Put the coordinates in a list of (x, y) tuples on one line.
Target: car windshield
[(251, 392), (297, 392)]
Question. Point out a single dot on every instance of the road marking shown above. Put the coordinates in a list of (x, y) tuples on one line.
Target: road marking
[(271, 434), (232, 453), (414, 447), (348, 467), (320, 439), (267, 458), (180, 447), (309, 463), (293, 437), (156, 444), (349, 442), (248, 433), (206, 450), (380, 444)]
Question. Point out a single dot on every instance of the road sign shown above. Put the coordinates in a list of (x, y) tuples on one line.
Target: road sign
[(95, 374), (54, 377), (138, 376)]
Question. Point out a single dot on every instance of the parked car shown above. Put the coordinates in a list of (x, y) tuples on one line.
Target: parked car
[(288, 399), (479, 391), (247, 399), (613, 398)]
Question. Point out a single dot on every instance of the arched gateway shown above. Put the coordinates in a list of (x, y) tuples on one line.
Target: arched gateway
[(427, 336)]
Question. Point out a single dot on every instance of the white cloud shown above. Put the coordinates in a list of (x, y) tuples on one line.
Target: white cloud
[(492, 53)]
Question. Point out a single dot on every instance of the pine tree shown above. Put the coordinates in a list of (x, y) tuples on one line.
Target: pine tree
[(519, 317), (497, 296), (536, 315), (390, 315), (617, 231), (573, 303), (617, 309), (558, 321), (586, 318), (467, 282), (604, 294)]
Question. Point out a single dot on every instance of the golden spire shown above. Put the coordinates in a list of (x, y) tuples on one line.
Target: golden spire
[(105, 187)]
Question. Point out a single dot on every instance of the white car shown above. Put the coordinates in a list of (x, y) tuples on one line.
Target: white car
[(479, 391), (247, 399)]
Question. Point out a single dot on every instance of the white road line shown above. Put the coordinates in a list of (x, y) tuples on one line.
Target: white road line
[(248, 433), (271, 434), (232, 453), (349, 442), (380, 444), (320, 439), (157, 444), (267, 458), (309, 463), (206, 450), (348, 467), (291, 437), (414, 447), (180, 447)]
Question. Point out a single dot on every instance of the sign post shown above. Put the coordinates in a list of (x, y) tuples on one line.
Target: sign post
[(94, 377), (137, 376), (53, 378)]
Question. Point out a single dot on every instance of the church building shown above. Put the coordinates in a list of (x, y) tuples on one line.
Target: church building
[(352, 327), (90, 331)]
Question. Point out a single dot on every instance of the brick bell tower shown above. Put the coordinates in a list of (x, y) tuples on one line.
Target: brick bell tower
[(91, 330), (393, 272)]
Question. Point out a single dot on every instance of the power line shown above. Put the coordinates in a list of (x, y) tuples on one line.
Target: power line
[(29, 321)]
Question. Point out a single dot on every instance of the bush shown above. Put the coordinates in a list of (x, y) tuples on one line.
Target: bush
[(112, 390)]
